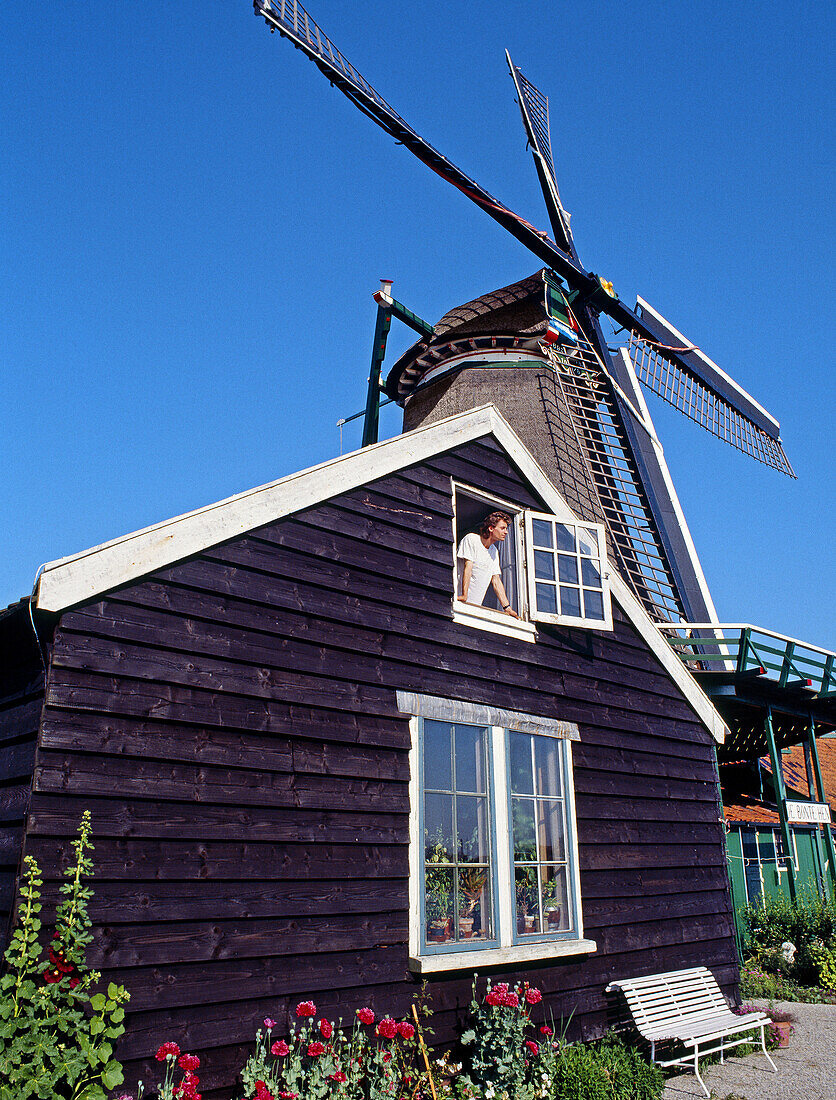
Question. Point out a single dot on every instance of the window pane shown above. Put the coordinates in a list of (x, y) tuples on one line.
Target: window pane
[(588, 542), (594, 604), (474, 904), (438, 774), (546, 598), (570, 601), (590, 573), (567, 568), (526, 891), (542, 532), (520, 763), (438, 828), (472, 828), (522, 825), (544, 565), (547, 765), (470, 759), (565, 537), (439, 900), (550, 830), (555, 899)]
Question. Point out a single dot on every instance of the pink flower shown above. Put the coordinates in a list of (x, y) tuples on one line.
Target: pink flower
[(546, 1030), (533, 1048), (511, 1000), (406, 1031), (280, 1049), (533, 996), (338, 1076), (502, 988), (387, 1029), (269, 1023), (167, 1050), (315, 1049), (189, 1062), (325, 1029), (494, 998), (365, 1016), (306, 1008)]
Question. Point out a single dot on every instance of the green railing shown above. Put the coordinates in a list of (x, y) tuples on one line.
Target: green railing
[(749, 650)]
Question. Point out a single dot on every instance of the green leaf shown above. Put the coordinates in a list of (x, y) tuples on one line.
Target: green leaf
[(112, 990), (96, 1026), (98, 1001), (117, 1016), (112, 1075)]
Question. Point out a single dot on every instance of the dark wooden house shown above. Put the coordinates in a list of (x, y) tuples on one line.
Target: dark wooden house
[(313, 772)]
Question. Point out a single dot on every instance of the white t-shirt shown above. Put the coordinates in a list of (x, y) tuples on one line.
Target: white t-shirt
[(485, 565)]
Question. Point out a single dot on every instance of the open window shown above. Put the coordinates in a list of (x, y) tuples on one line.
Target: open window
[(552, 569), (494, 869)]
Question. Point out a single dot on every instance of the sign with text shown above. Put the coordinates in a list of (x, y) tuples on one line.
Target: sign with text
[(811, 813)]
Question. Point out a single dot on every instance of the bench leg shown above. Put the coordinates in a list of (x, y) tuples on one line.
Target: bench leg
[(697, 1069), (722, 1051), (763, 1044)]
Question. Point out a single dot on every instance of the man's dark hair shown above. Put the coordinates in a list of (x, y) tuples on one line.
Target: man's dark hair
[(492, 520)]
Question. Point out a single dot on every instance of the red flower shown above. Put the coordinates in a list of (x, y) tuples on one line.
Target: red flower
[(59, 961), (189, 1062), (306, 1008), (502, 987), (511, 1000), (325, 1029), (533, 996), (546, 1030), (315, 1049), (338, 1076), (269, 1023), (365, 1015), (187, 1089), (406, 1031), (262, 1092), (167, 1050), (280, 1048), (283, 1096), (52, 976), (387, 1029), (533, 1048), (387, 1056), (494, 997), (74, 982)]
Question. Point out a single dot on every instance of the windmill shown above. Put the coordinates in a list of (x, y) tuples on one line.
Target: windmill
[(610, 463)]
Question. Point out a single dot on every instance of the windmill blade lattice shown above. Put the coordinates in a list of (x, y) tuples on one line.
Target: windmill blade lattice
[(696, 401)]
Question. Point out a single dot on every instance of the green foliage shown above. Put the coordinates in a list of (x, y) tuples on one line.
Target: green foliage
[(56, 1031), (496, 1041), (606, 1070), (809, 924)]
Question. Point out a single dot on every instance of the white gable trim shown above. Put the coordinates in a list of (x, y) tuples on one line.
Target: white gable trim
[(69, 581)]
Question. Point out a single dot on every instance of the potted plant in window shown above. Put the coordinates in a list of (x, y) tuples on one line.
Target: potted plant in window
[(471, 884), (552, 909), (437, 890), (526, 891)]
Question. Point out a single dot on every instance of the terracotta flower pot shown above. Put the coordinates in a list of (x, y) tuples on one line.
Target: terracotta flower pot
[(782, 1032)]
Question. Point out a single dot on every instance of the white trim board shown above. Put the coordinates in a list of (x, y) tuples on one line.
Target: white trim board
[(69, 581)]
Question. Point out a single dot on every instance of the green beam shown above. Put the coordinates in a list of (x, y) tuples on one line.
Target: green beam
[(422, 327), (372, 414), (781, 799), (828, 831)]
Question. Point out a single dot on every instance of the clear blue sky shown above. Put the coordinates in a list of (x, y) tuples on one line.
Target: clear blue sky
[(193, 223)]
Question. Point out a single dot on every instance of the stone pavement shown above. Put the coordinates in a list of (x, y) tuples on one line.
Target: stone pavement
[(806, 1068)]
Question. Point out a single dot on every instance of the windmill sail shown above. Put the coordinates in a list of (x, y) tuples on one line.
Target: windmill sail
[(710, 398)]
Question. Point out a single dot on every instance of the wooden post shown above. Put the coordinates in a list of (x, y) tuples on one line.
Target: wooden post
[(828, 831), (780, 798), (424, 1051)]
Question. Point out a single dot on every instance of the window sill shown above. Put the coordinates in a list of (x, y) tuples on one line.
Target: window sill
[(499, 956), (484, 618)]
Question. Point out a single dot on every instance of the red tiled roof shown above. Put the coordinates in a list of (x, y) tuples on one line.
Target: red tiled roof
[(741, 807)]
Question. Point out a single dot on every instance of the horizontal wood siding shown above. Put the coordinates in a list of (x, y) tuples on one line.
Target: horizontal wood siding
[(21, 702), (231, 723)]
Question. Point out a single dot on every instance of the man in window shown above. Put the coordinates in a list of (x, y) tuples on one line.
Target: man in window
[(480, 555)]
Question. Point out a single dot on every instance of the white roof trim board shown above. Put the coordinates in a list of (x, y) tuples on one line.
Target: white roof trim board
[(70, 581)]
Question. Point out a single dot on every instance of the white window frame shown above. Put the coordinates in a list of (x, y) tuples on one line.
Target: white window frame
[(525, 628), (506, 946), (561, 618)]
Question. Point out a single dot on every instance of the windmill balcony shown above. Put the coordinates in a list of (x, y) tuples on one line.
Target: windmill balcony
[(753, 674)]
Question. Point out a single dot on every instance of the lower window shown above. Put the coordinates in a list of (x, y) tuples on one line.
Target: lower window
[(498, 850)]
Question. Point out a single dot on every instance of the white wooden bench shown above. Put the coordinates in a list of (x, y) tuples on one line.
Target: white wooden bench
[(686, 1006)]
